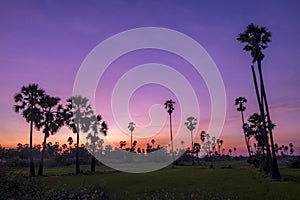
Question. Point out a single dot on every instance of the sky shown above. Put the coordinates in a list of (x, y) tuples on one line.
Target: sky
[(46, 42)]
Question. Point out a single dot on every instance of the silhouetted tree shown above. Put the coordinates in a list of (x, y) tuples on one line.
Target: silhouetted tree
[(169, 106), (28, 100), (191, 125), (78, 115), (95, 141), (53, 120), (257, 39), (241, 108), (123, 144), (291, 148), (153, 142), (230, 151), (182, 143), (234, 149), (131, 127)]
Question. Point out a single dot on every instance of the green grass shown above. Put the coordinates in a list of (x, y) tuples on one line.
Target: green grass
[(196, 182)]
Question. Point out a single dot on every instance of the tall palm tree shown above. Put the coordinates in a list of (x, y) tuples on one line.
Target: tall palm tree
[(191, 125), (28, 100), (78, 114), (169, 106), (241, 108), (257, 39), (131, 127), (53, 120)]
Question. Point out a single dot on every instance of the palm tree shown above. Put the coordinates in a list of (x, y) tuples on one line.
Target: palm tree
[(153, 142), (70, 142), (131, 127), (202, 136), (197, 148), (191, 125), (122, 144), (78, 118), (93, 136), (52, 121), (169, 106), (234, 149), (291, 149), (230, 151), (241, 108), (28, 101), (182, 143), (257, 39)]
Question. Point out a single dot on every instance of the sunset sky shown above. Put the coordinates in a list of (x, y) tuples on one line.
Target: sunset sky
[(45, 42)]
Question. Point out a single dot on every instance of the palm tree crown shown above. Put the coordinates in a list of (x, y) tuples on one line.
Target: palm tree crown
[(257, 38)]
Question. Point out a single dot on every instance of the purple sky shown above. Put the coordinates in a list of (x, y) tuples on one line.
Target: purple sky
[(45, 42)]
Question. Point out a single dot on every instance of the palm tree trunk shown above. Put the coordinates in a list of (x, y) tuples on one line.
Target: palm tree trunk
[(131, 140), (31, 172), (172, 150), (41, 167), (262, 114), (77, 151), (193, 162), (276, 173), (246, 139)]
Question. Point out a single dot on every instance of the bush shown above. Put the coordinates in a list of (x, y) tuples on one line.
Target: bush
[(20, 187), (295, 163), (93, 192)]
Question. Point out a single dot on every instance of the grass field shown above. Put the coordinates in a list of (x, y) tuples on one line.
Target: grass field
[(181, 182)]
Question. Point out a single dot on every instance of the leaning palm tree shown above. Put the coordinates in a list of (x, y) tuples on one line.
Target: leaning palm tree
[(241, 108), (78, 114), (28, 100), (169, 106), (257, 39), (52, 121), (131, 127)]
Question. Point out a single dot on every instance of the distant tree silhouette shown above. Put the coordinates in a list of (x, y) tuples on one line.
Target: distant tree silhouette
[(191, 125), (219, 143), (122, 144), (153, 142), (182, 143), (169, 106), (78, 115), (131, 127), (241, 108), (202, 136), (28, 100), (234, 149), (70, 142), (53, 120), (257, 39), (291, 148), (230, 151), (196, 149), (95, 141)]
